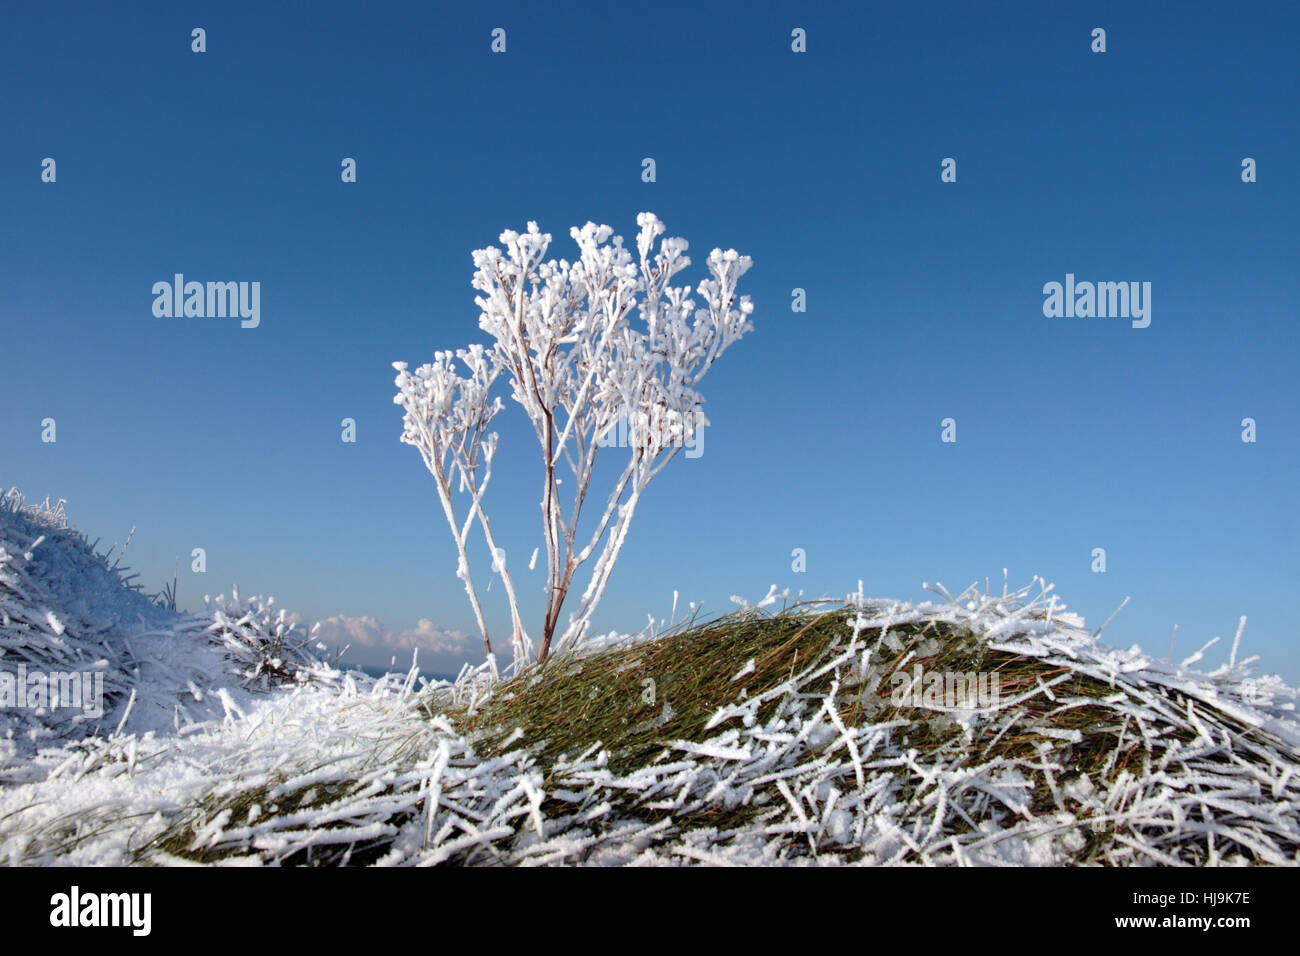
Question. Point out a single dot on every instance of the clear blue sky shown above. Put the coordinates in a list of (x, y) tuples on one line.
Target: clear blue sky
[(924, 298)]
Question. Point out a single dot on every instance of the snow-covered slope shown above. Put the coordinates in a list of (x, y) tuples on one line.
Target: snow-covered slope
[(66, 609)]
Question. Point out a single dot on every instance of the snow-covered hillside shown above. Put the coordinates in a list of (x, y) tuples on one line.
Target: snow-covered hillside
[(67, 609)]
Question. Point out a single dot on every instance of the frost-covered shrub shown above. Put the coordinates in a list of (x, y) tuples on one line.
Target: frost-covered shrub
[(265, 646), (580, 367)]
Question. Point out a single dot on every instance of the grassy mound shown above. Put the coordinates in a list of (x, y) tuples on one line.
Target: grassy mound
[(636, 701), (1068, 733)]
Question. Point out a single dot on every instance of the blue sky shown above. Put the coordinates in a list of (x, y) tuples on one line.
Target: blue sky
[(924, 299)]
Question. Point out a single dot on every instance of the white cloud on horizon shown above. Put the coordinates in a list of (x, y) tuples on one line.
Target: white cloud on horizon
[(370, 643)]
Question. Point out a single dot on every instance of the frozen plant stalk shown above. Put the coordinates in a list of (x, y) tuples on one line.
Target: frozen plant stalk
[(577, 365)]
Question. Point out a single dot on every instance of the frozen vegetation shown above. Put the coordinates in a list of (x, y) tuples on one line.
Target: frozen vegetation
[(762, 738), (600, 346)]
